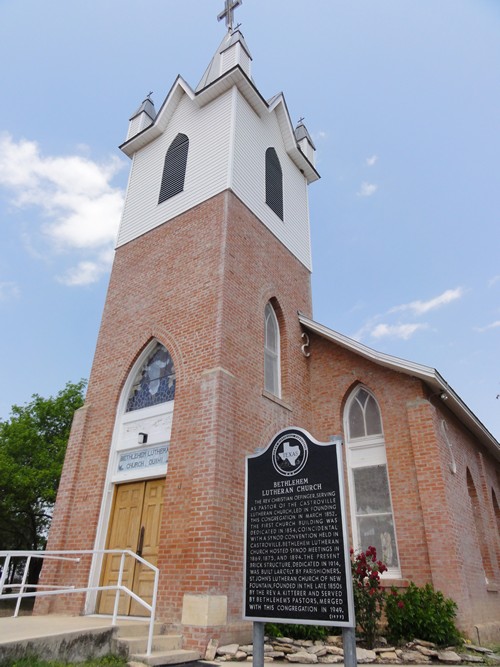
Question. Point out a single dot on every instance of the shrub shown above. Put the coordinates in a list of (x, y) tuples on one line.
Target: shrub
[(368, 594), (422, 613)]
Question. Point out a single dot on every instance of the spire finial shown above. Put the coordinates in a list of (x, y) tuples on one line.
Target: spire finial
[(230, 6)]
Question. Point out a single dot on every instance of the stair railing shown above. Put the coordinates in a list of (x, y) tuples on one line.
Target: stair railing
[(42, 590)]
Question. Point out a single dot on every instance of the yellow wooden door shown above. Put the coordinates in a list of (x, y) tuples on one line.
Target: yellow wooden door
[(149, 538), (134, 525)]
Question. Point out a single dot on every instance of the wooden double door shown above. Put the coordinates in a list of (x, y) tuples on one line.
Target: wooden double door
[(134, 525)]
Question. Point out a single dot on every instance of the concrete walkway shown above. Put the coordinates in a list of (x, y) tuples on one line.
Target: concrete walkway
[(34, 627), (66, 638)]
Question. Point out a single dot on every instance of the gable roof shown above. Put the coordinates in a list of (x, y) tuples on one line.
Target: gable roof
[(426, 374)]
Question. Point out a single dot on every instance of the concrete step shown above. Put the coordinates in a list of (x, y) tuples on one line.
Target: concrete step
[(177, 657), (139, 629), (160, 643)]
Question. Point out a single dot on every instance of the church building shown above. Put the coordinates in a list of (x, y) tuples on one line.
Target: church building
[(208, 347)]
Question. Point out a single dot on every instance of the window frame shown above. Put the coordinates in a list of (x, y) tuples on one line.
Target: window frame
[(368, 451), (272, 356)]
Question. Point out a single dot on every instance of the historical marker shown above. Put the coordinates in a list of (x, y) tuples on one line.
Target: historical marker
[(297, 565)]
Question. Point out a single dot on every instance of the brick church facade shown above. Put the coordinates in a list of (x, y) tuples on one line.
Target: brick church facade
[(207, 348)]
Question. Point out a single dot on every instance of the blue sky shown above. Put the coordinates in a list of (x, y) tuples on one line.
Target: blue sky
[(402, 98)]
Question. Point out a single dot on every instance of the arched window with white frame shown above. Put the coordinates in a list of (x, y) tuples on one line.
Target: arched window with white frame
[(272, 380), (372, 516)]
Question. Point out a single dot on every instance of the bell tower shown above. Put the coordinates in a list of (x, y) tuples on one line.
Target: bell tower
[(212, 265)]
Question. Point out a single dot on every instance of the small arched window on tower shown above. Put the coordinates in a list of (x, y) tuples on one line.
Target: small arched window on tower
[(154, 382), (274, 182), (174, 169), (369, 491), (272, 382)]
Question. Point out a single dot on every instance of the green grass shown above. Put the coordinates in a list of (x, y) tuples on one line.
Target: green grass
[(106, 661)]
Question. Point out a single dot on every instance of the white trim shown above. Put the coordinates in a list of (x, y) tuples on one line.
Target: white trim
[(232, 139), (274, 354), (370, 451)]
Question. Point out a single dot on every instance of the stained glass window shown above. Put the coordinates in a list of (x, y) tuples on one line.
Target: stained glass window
[(154, 382)]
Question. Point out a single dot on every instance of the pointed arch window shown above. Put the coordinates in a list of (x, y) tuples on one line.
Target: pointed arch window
[(274, 182), (369, 491), (154, 383), (272, 382), (174, 169)]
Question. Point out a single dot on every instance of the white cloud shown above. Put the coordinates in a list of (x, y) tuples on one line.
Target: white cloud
[(421, 307), (404, 331), (88, 272), (80, 207), (320, 135), (493, 325), (367, 189), (493, 281), (370, 161), (8, 290)]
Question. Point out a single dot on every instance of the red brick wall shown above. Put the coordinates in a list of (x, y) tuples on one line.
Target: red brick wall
[(199, 284), (436, 530)]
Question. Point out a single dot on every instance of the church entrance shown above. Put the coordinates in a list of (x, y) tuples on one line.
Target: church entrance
[(134, 525)]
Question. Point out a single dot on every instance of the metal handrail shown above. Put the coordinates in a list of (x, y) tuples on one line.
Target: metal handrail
[(71, 556)]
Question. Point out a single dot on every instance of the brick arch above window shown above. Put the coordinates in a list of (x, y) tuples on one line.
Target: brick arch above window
[(496, 511), (174, 168), (481, 535)]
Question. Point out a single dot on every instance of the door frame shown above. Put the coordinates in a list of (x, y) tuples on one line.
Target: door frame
[(113, 477)]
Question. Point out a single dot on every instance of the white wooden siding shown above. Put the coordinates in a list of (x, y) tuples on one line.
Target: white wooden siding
[(208, 130), (253, 135), (228, 59), (134, 127), (227, 148)]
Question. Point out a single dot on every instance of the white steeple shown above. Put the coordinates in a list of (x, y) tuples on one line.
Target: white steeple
[(304, 141), (142, 117), (232, 52), (223, 135)]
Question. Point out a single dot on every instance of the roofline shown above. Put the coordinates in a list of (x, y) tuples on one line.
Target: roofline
[(426, 374), (258, 103)]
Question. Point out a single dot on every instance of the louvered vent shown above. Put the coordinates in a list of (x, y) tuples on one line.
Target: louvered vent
[(274, 182), (174, 170)]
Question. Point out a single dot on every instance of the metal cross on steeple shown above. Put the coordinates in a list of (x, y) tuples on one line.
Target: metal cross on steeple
[(229, 11)]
